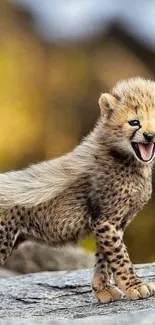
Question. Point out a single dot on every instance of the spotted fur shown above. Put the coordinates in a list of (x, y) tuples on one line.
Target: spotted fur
[(98, 188)]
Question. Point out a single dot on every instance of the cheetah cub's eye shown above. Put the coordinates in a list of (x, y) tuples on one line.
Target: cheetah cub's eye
[(134, 123)]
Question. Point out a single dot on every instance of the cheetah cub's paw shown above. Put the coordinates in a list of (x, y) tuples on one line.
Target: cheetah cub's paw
[(105, 291), (108, 294), (141, 291)]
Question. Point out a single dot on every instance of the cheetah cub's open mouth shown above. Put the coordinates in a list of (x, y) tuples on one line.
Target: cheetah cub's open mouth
[(144, 151)]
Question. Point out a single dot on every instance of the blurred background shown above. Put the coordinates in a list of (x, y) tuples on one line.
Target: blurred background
[(56, 57)]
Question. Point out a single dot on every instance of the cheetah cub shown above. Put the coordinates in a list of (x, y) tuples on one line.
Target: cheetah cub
[(98, 188)]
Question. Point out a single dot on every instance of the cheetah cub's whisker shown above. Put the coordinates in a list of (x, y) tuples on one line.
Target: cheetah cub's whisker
[(98, 188)]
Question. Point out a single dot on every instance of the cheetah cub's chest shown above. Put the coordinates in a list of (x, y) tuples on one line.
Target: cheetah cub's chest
[(123, 198), (141, 187), (137, 194)]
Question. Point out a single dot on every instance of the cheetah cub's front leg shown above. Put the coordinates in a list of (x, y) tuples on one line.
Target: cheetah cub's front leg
[(102, 285), (109, 239)]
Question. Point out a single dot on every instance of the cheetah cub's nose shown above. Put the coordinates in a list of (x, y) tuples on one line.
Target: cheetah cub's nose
[(148, 136)]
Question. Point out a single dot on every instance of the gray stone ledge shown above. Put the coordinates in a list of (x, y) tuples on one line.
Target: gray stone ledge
[(65, 297)]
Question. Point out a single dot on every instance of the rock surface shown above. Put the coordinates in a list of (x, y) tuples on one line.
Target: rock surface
[(65, 298), (32, 257)]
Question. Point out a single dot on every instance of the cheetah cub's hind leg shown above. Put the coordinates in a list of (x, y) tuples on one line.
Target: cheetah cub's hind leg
[(103, 288), (8, 235)]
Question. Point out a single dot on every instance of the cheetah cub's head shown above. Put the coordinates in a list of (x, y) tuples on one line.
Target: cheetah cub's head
[(128, 114)]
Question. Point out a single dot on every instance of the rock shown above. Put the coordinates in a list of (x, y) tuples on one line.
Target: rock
[(141, 317), (4, 273), (65, 297), (32, 257)]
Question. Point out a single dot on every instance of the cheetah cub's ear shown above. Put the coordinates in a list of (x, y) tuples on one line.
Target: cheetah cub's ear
[(107, 104)]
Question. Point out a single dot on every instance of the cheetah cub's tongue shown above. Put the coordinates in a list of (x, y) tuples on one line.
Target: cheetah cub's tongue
[(146, 150)]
